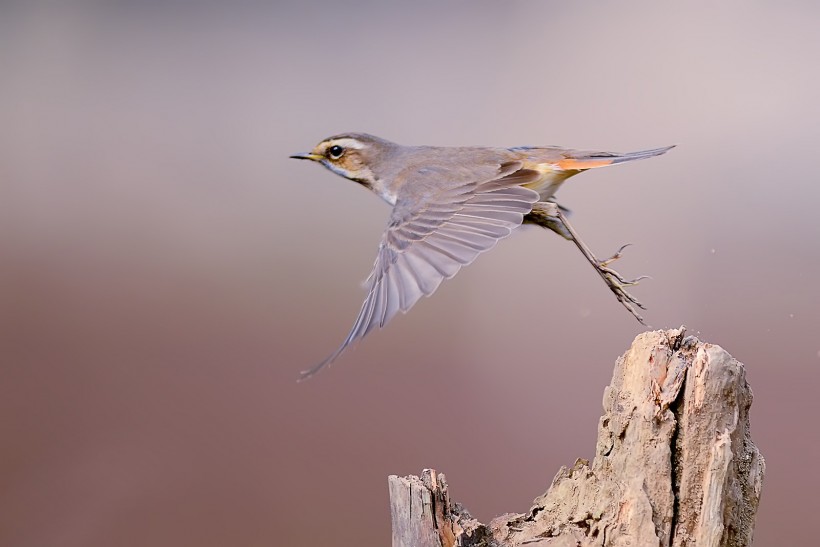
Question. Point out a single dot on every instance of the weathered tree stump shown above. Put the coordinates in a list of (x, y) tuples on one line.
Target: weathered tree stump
[(674, 465)]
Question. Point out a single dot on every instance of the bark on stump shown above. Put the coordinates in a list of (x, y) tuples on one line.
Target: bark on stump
[(674, 465)]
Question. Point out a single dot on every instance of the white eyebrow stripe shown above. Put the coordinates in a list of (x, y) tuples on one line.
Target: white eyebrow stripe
[(347, 143)]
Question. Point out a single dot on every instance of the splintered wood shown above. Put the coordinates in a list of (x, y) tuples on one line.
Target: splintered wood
[(674, 466)]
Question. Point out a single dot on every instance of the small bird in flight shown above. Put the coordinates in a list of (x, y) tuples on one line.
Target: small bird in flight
[(451, 204)]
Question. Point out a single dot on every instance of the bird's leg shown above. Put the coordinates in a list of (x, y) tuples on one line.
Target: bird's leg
[(549, 215), (545, 214)]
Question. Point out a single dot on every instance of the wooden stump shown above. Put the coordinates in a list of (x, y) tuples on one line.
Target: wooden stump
[(674, 465)]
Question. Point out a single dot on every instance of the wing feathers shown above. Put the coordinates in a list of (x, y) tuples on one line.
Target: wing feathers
[(471, 226), (429, 241), (475, 242), (425, 274)]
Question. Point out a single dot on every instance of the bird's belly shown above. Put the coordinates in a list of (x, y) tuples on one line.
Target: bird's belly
[(550, 180)]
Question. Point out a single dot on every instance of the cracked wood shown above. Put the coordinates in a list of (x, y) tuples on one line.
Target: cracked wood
[(674, 465)]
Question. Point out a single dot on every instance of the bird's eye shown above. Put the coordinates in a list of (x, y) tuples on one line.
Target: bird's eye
[(335, 152)]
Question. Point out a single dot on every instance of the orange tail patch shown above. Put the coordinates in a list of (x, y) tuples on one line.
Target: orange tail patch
[(580, 164)]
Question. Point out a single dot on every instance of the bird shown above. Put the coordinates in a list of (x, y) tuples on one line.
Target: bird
[(451, 204)]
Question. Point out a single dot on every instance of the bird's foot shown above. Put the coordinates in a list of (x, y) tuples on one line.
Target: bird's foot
[(617, 283)]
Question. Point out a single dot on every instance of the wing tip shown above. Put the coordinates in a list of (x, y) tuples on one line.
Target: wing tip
[(305, 375), (311, 372)]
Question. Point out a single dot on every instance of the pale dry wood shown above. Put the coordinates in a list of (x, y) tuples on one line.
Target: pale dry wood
[(423, 516), (675, 465)]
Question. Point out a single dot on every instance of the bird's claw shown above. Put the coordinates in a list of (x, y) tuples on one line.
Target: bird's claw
[(613, 258), (620, 278), (617, 283)]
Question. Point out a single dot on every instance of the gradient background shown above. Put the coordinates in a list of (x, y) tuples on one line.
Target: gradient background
[(166, 271)]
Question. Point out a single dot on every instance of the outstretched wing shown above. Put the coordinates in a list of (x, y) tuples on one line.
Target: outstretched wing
[(430, 237)]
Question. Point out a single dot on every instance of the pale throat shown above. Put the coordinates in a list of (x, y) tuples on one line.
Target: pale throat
[(366, 178)]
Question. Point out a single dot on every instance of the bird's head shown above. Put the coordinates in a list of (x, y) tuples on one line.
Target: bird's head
[(355, 156)]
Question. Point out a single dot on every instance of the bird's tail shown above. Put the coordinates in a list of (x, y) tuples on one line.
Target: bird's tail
[(589, 160)]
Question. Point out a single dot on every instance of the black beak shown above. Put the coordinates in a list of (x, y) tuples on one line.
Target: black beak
[(306, 156)]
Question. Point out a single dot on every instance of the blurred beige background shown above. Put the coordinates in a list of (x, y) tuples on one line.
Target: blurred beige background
[(166, 271)]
